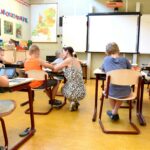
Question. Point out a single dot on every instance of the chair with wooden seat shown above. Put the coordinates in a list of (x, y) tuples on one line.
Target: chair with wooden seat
[(6, 108), (40, 75), (122, 77)]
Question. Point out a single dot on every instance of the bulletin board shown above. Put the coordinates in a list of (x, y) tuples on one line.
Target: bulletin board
[(144, 40)]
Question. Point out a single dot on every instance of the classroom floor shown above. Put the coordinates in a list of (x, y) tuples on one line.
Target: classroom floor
[(65, 130)]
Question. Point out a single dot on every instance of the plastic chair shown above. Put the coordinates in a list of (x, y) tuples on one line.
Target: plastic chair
[(6, 108), (122, 77), (43, 76)]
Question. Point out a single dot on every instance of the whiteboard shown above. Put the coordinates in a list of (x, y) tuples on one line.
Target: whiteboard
[(74, 32), (144, 40), (122, 29)]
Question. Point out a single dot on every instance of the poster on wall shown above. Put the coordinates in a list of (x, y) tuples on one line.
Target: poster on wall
[(8, 27), (43, 23), (18, 31)]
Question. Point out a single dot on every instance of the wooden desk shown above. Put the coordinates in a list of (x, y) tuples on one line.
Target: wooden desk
[(100, 75), (15, 85)]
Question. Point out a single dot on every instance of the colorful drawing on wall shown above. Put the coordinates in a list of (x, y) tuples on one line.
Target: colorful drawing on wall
[(18, 31), (8, 27), (43, 23)]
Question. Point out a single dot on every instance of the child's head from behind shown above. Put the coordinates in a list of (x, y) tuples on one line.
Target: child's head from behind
[(112, 48), (59, 54), (34, 50)]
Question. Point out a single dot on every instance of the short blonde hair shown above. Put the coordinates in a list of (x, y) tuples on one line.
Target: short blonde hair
[(112, 48), (33, 49), (58, 52)]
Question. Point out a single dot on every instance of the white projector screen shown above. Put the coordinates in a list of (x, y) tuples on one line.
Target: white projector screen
[(119, 28), (144, 42), (75, 32)]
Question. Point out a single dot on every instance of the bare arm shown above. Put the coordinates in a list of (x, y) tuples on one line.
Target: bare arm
[(62, 65), (4, 81), (46, 65)]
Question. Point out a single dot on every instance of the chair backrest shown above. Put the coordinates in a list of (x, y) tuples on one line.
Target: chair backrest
[(124, 77), (37, 74)]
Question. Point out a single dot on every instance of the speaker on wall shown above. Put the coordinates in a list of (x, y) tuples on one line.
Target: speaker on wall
[(61, 21)]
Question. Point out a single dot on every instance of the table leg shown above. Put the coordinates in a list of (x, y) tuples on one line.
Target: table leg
[(139, 106), (96, 95), (32, 131)]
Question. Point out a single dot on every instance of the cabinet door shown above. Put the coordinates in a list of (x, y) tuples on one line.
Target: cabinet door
[(20, 56), (9, 56)]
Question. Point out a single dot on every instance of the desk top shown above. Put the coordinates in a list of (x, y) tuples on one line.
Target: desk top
[(99, 71), (14, 65), (19, 81)]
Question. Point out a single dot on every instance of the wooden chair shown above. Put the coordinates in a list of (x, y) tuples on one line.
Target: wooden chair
[(6, 108), (122, 77), (43, 76)]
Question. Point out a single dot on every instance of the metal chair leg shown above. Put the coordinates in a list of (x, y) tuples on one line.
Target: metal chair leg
[(4, 133)]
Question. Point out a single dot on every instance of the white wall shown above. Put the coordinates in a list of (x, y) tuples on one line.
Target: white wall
[(72, 8), (20, 10)]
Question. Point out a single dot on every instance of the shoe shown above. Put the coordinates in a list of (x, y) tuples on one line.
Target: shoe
[(77, 105), (55, 102), (72, 106), (2, 148), (114, 117), (25, 132)]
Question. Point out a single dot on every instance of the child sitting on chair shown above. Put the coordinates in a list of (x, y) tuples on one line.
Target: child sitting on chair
[(113, 62), (35, 63)]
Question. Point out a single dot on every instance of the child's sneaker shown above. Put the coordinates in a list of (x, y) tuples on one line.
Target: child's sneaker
[(77, 105), (114, 117)]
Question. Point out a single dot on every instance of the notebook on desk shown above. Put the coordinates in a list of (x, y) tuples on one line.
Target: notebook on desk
[(9, 72)]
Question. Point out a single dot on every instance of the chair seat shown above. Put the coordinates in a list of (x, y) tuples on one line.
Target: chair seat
[(6, 107), (132, 96)]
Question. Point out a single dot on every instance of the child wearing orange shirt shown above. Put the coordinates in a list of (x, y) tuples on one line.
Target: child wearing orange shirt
[(35, 63)]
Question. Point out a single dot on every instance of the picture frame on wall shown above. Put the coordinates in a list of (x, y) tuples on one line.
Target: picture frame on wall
[(18, 31), (8, 27), (44, 22)]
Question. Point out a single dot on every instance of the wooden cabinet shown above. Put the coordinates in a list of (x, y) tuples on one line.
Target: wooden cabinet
[(9, 55), (14, 56)]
